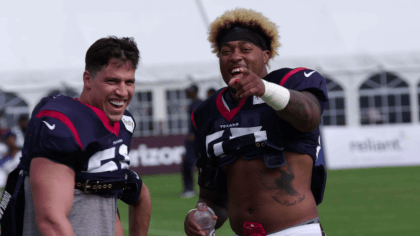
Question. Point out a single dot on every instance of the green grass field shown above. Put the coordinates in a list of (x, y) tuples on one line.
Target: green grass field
[(376, 201)]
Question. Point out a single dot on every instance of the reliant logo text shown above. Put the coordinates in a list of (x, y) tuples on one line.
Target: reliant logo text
[(372, 145)]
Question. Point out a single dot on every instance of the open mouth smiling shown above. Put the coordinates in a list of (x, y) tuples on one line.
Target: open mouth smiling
[(117, 104)]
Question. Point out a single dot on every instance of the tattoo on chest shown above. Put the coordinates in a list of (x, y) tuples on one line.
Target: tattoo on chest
[(282, 183)]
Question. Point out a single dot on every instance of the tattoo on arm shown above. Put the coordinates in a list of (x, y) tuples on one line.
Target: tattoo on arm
[(303, 110), (296, 105), (284, 186)]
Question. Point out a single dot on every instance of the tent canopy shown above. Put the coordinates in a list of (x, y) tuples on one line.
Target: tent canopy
[(32, 85)]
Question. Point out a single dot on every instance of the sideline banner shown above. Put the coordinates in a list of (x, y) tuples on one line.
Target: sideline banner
[(157, 155), (376, 146)]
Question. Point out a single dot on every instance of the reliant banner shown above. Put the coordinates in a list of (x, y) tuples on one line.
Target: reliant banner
[(371, 146)]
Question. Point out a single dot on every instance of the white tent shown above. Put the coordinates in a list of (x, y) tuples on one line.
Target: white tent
[(350, 71), (55, 33)]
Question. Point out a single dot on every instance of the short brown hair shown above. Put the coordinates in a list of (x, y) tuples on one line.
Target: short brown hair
[(249, 19), (99, 54)]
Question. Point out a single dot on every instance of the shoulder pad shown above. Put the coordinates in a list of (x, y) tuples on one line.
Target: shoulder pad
[(41, 103), (302, 79), (51, 102), (277, 75)]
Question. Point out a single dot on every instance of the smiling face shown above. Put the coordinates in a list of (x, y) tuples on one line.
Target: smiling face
[(237, 54), (111, 90)]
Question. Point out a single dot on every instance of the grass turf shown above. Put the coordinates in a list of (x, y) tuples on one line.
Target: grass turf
[(375, 201)]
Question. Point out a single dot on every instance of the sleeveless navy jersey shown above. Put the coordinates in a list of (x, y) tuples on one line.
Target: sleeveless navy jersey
[(80, 136), (253, 129)]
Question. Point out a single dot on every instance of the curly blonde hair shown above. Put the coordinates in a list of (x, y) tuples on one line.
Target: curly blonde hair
[(246, 18)]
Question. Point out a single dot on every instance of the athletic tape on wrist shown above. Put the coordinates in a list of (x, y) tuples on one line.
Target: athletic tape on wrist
[(275, 95)]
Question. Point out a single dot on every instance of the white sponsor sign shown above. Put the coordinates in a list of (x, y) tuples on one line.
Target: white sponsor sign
[(146, 156), (360, 147)]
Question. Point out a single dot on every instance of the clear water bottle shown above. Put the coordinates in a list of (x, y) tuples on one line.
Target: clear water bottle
[(204, 218)]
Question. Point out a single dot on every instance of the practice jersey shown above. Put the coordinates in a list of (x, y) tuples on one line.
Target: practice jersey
[(80, 136), (253, 129)]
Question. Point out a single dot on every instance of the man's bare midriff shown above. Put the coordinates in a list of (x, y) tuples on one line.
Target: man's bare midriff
[(277, 198)]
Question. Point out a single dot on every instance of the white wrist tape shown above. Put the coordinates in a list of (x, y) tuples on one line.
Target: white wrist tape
[(275, 95)]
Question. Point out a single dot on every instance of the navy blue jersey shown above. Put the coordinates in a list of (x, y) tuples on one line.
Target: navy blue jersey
[(253, 129), (194, 104), (80, 136)]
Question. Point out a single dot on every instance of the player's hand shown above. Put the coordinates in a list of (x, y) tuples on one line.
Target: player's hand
[(247, 83), (191, 228)]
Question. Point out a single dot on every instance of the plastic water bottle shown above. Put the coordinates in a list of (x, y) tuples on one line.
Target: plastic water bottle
[(204, 218)]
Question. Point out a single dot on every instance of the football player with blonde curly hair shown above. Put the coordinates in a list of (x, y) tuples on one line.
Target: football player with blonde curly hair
[(259, 136)]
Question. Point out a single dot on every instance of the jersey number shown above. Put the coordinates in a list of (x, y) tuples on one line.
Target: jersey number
[(110, 159), (259, 135)]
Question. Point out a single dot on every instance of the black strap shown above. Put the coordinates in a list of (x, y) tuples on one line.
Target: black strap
[(91, 186), (13, 203)]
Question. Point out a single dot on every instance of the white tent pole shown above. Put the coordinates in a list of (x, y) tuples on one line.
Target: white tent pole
[(203, 13)]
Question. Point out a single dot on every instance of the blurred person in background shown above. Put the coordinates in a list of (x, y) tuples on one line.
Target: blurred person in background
[(191, 152), (75, 159), (3, 122), (374, 116), (3, 147), (20, 129), (210, 92), (10, 158), (258, 138)]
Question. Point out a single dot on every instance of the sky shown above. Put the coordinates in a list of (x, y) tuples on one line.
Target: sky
[(47, 34)]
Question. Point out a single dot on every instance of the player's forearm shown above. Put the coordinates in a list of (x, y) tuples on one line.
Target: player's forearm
[(139, 214), (54, 226), (302, 111), (119, 230), (52, 188)]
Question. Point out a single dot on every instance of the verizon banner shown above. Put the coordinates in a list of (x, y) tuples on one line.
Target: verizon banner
[(157, 155), (359, 147)]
